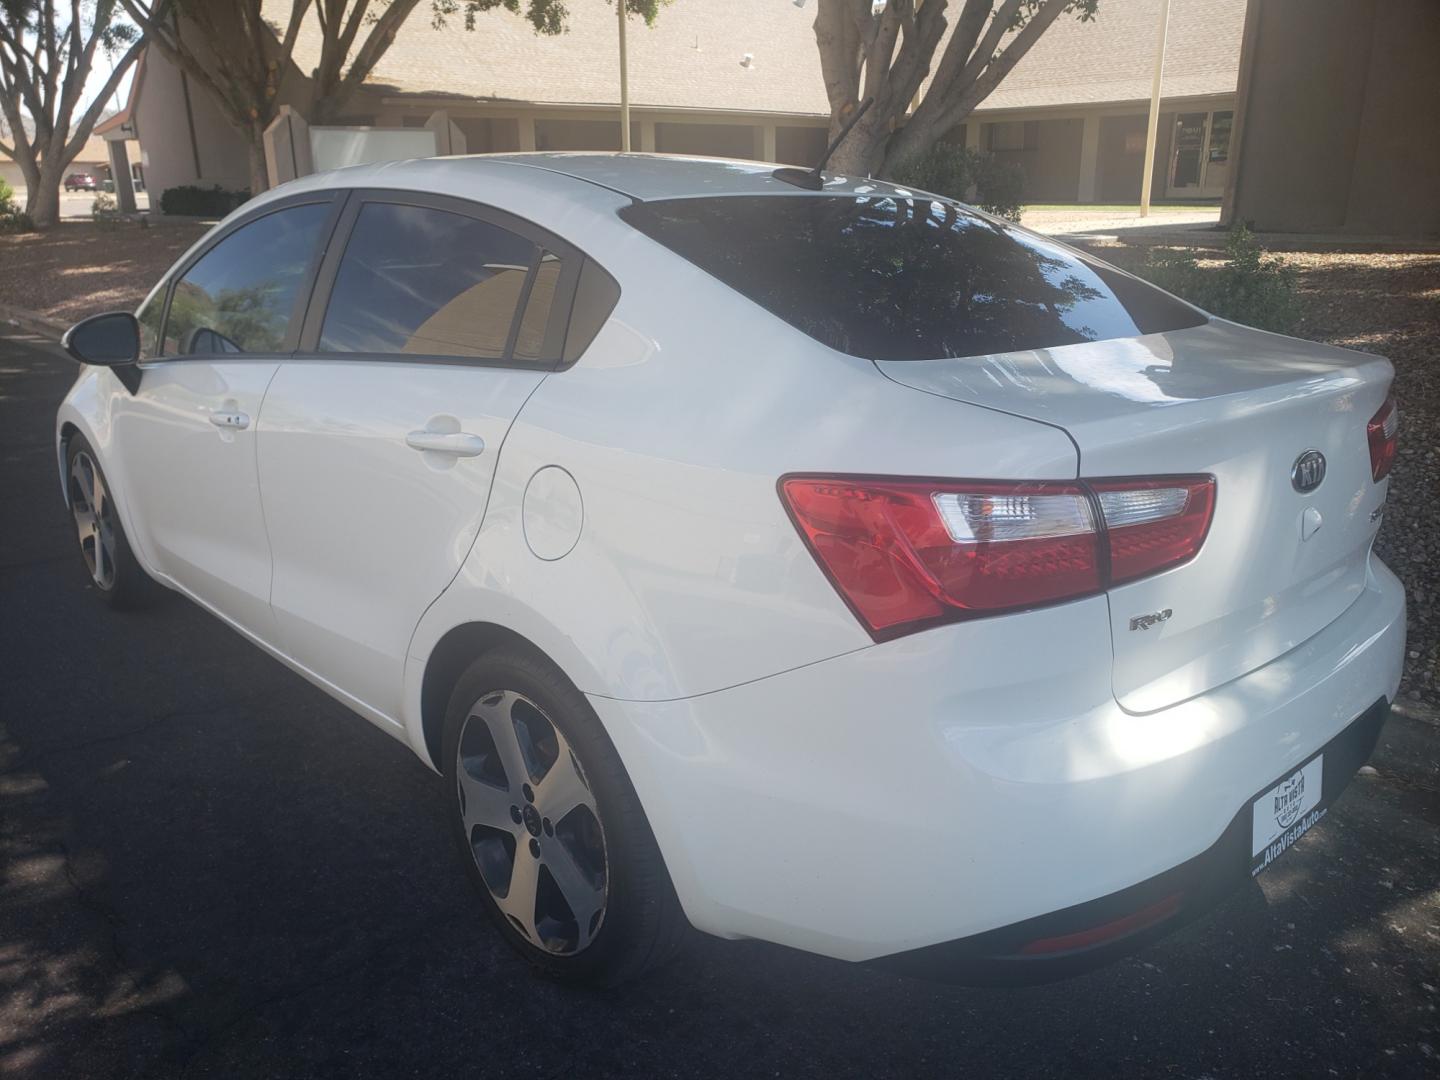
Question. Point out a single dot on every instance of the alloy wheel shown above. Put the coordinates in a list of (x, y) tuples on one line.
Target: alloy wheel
[(532, 823), (94, 519)]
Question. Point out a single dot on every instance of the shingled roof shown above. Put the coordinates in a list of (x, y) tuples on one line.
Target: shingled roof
[(692, 57)]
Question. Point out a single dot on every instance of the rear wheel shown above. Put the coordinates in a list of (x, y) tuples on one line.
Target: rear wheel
[(551, 830), (104, 548)]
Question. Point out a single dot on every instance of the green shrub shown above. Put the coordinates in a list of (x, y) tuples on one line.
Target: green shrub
[(103, 212), (965, 175), (13, 219), (1250, 287), (193, 201)]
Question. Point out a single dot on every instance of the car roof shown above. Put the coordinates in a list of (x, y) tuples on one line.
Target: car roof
[(674, 176), (641, 177)]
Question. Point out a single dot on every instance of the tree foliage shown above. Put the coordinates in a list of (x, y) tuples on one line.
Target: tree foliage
[(47, 51), (1248, 286), (244, 62), (966, 175), (886, 52)]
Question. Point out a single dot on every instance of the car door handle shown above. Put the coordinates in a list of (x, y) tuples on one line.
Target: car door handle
[(454, 443), (233, 421)]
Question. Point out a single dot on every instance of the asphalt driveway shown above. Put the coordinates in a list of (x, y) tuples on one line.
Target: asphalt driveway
[(208, 868)]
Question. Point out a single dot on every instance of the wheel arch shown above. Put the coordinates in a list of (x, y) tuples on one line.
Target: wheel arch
[(456, 650), (68, 430)]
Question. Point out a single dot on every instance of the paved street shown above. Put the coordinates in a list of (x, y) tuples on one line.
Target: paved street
[(209, 869)]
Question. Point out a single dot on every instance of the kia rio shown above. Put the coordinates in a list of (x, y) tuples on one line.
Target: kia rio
[(842, 568)]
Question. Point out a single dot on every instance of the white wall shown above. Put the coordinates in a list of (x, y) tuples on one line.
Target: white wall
[(337, 147)]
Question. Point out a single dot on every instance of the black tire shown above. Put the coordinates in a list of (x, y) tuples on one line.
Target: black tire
[(643, 925), (126, 586)]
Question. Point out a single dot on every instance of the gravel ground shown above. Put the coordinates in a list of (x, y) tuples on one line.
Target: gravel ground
[(1387, 303), (76, 270)]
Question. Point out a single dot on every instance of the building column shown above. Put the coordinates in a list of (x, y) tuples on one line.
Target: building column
[(120, 174), (647, 136), (527, 132), (972, 133), (766, 140), (1089, 158)]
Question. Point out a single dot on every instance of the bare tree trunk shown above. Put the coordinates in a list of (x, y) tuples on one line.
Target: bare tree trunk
[(42, 199), (886, 55), (863, 151), (259, 175)]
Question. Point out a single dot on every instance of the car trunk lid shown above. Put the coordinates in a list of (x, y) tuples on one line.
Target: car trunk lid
[(1279, 564)]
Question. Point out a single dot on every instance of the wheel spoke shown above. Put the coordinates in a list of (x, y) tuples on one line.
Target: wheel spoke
[(99, 498), (103, 562), (562, 788), (485, 804), (581, 895), (519, 899), (84, 524), (84, 480), (507, 743)]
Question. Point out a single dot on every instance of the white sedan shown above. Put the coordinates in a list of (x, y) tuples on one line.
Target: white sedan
[(841, 568)]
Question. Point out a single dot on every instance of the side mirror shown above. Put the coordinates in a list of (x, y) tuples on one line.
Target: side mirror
[(109, 340)]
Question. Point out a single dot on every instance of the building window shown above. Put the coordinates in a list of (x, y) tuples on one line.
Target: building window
[(1220, 125), (1013, 135)]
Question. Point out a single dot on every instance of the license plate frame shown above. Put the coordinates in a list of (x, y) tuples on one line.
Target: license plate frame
[(1285, 812)]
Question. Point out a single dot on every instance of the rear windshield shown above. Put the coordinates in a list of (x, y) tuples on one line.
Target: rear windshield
[(890, 278)]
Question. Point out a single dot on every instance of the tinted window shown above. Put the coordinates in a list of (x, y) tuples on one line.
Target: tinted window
[(240, 295), (425, 281), (906, 279)]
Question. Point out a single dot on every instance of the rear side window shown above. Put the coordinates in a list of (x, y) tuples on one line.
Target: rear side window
[(240, 296), (423, 281), (890, 278)]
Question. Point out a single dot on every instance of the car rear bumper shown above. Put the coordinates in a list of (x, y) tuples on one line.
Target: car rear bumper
[(931, 801), (1088, 935)]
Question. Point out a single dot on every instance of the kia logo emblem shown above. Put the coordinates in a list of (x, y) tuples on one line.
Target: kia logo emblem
[(1308, 472)]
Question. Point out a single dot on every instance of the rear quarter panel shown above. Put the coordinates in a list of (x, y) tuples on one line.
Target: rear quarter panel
[(677, 423)]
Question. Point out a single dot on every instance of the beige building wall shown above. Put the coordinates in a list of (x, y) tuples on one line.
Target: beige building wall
[(1339, 121), (183, 135)]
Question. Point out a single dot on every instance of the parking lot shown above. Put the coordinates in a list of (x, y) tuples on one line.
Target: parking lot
[(210, 869)]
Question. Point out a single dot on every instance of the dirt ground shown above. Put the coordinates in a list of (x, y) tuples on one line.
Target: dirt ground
[(77, 269)]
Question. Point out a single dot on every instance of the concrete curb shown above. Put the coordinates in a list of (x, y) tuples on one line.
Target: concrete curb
[(31, 321)]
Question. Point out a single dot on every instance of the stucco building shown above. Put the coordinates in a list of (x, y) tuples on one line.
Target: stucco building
[(742, 79), (1339, 117)]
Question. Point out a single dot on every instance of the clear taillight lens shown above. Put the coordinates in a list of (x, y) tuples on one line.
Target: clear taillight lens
[(1153, 525), (1383, 432), (908, 553)]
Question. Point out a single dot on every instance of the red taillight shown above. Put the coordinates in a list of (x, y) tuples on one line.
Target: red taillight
[(907, 553), (1154, 524), (1383, 432)]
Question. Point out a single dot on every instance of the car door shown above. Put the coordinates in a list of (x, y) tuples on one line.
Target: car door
[(187, 435), (378, 440)]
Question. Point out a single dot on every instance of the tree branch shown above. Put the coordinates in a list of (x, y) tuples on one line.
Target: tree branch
[(839, 45), (87, 120)]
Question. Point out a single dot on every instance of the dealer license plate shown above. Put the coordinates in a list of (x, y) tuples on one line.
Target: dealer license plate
[(1285, 813)]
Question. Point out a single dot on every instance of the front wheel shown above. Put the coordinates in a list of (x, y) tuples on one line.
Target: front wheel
[(114, 571), (551, 830)]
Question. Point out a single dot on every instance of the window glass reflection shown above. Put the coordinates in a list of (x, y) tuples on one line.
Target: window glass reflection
[(892, 278), (422, 281), (239, 297)]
